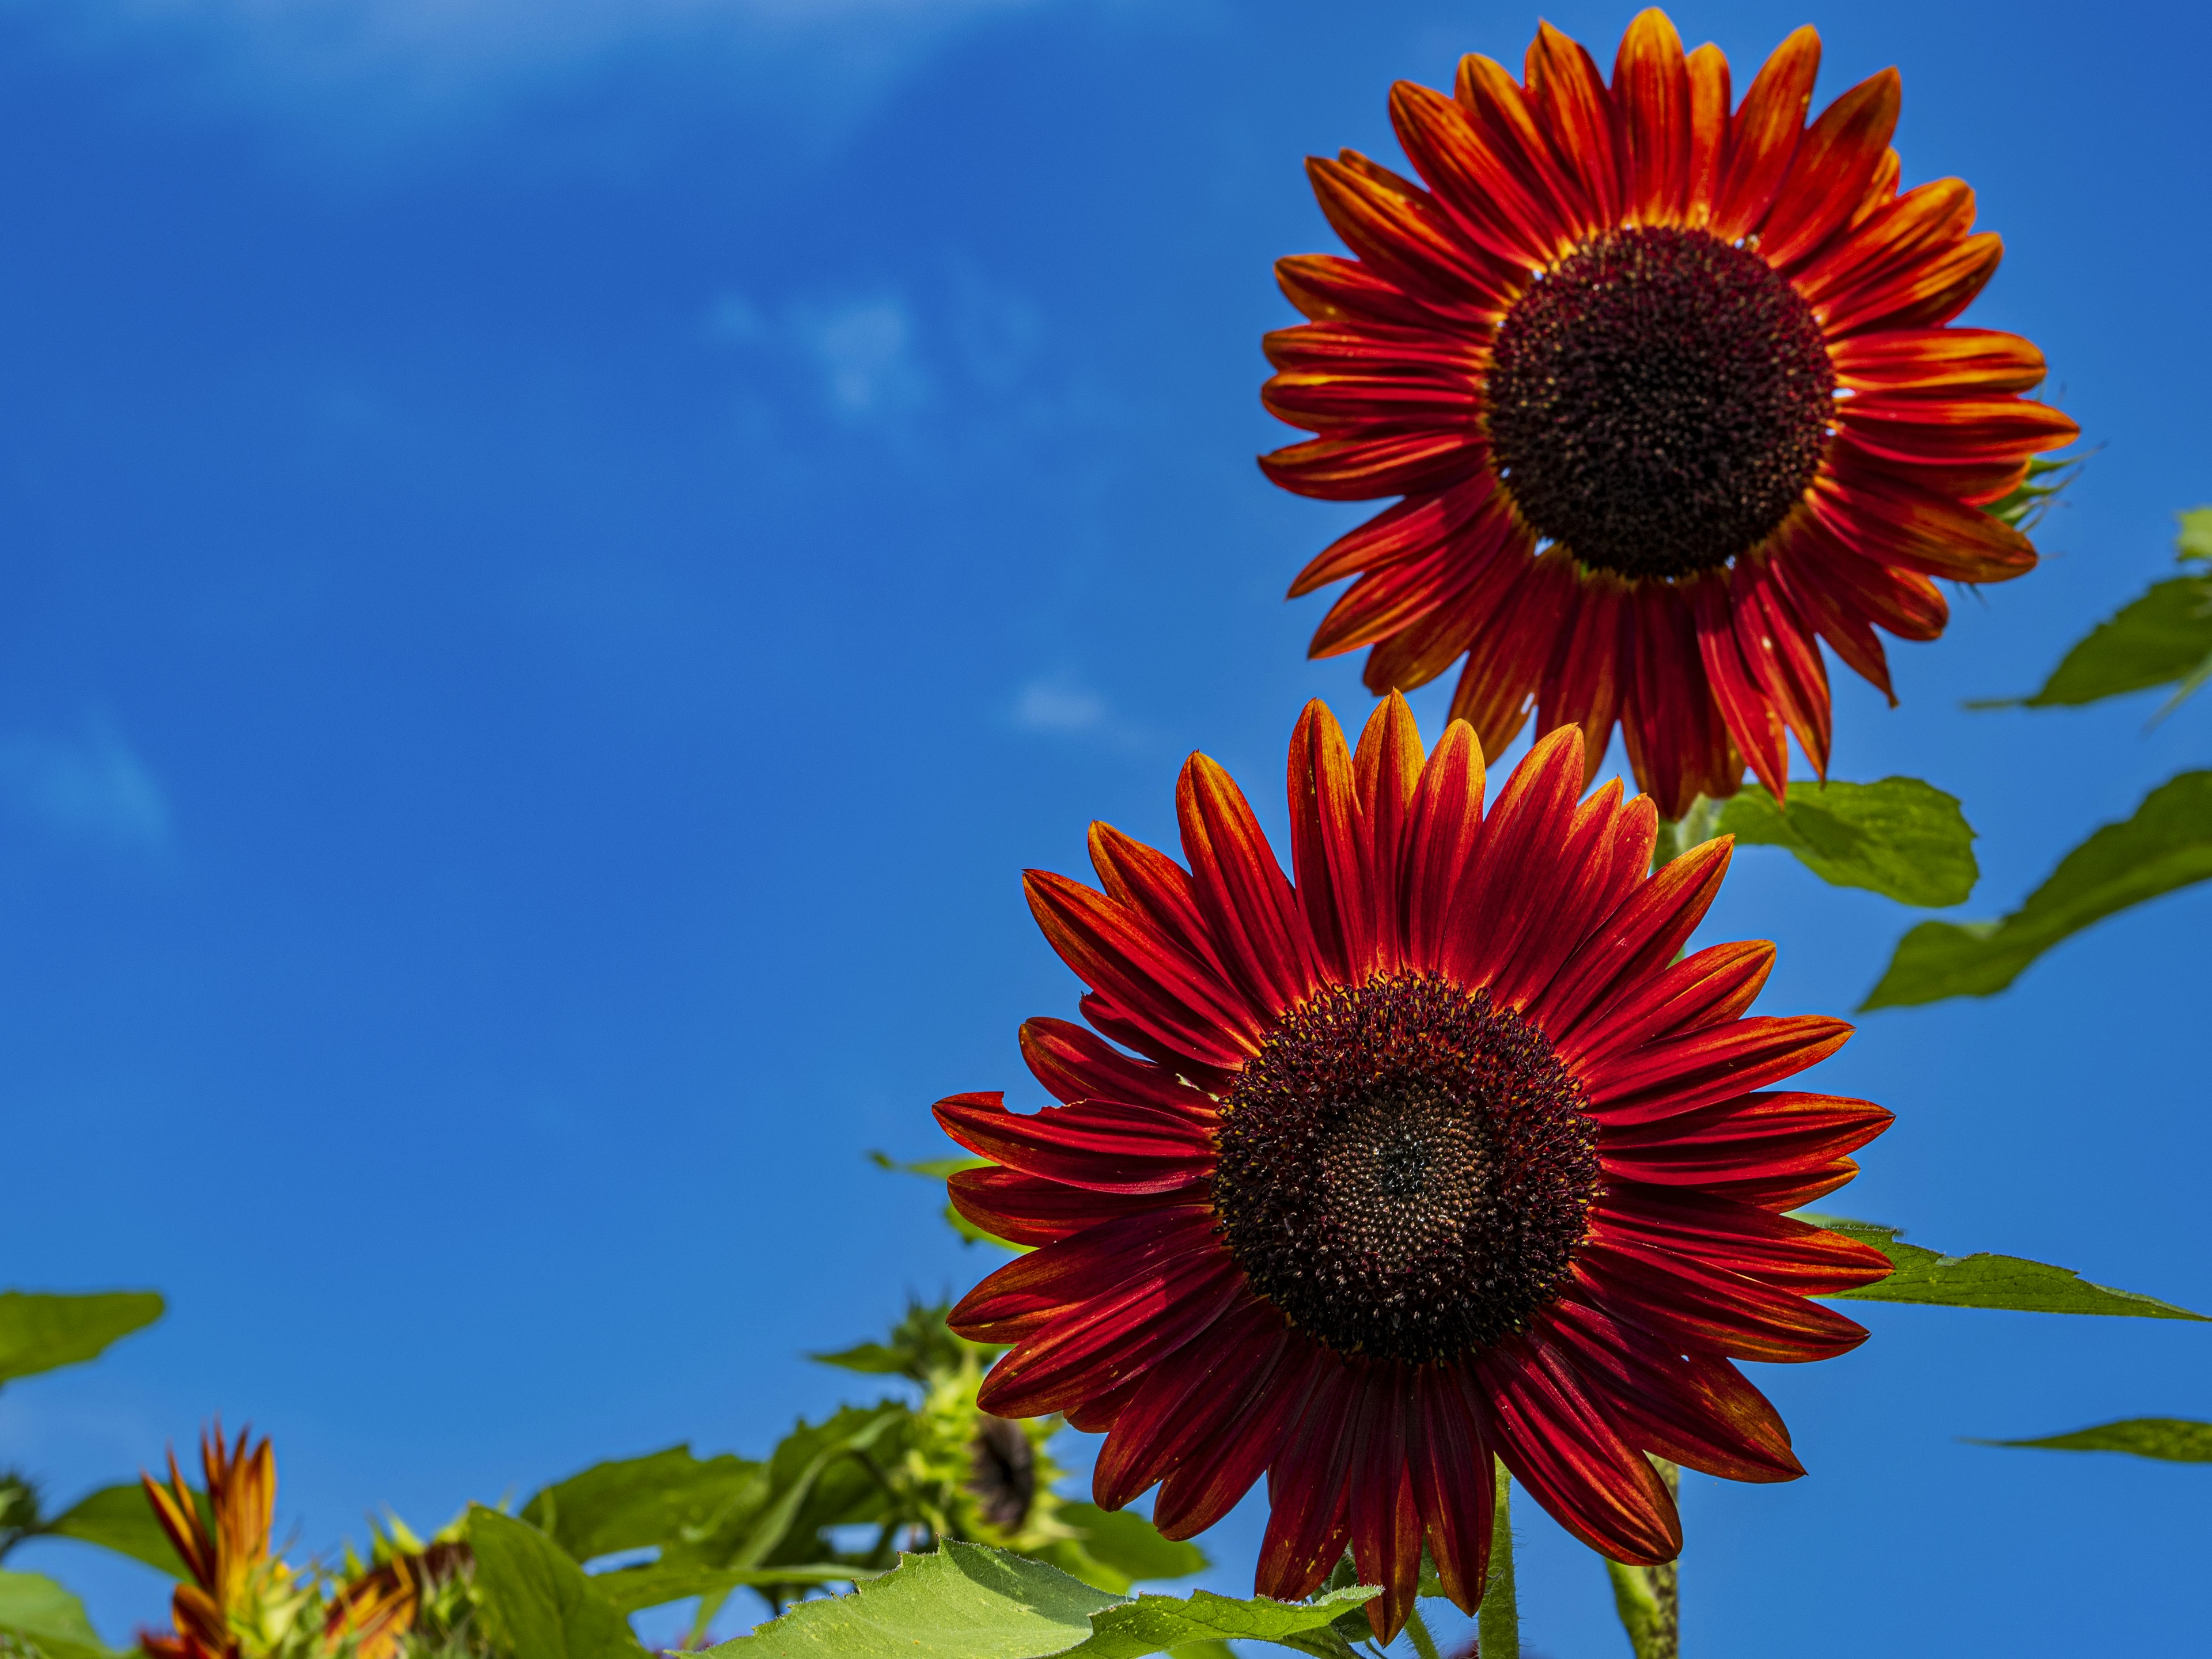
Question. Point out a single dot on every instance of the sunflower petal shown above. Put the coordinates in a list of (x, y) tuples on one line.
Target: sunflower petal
[(1651, 90), (1560, 1446), (1249, 909), (1108, 1147), (1706, 1308), (1763, 139), (1308, 1489), (1836, 161), (1453, 1484)]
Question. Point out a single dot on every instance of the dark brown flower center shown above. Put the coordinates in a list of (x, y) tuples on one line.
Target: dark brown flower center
[(1002, 1475), (1405, 1170), (1659, 400)]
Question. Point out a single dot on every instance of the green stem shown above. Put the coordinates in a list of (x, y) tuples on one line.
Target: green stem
[(1649, 1599), (1424, 1645), (1499, 1619)]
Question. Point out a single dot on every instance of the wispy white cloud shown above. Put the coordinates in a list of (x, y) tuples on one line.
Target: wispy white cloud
[(1061, 706), (407, 60), (89, 787), (1056, 706)]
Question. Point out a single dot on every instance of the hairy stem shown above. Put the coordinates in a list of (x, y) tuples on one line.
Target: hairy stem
[(1499, 1619), (1649, 1599)]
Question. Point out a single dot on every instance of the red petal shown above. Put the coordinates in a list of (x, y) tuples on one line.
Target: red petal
[(1639, 938), (1185, 1402), (1704, 1307), (1651, 90), (1454, 1483), (1912, 229), (1249, 907), (1521, 881), (1328, 289), (1397, 229), (1774, 1250), (1156, 983), (1919, 427), (1940, 362), (1676, 739), (1836, 161), (1074, 1066), (1698, 1411), (1787, 1192), (1580, 686), (1754, 723), (1560, 1446), (1485, 559), (1571, 97), (1332, 885), (1445, 830), (1361, 468), (1606, 854), (1025, 1294), (1308, 1489), (1112, 1023), (1923, 294), (1886, 520), (1511, 128), (1112, 1339), (1024, 1209), (1494, 207), (1107, 1146), (1387, 769), (1752, 1136), (1680, 1073), (1222, 1469), (1763, 139), (1793, 570), (1385, 1519), (1780, 651), (1411, 530), (1708, 131), (1710, 988), (1148, 882), (1505, 662)]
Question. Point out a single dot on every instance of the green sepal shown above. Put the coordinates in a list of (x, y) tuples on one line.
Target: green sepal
[(1984, 1280), (1902, 838), (971, 1601), (2169, 1439), (2166, 845)]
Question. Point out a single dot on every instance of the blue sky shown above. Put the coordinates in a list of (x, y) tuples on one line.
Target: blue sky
[(560, 556)]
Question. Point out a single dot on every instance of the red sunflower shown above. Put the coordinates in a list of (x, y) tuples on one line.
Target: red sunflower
[(1428, 1158), (1669, 393)]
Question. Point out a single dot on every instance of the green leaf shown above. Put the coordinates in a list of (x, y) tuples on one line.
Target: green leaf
[(2195, 541), (940, 1168), (2172, 1439), (2166, 845), (537, 1601), (2160, 639), (658, 1582), (971, 1602), (1901, 837), (921, 1347), (37, 1609), (1983, 1281), (119, 1518), (1132, 1546), (39, 1332), (638, 1501)]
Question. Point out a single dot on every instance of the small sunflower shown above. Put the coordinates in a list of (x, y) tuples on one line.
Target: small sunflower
[(1436, 1156), (242, 1599), (1668, 386)]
